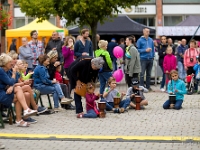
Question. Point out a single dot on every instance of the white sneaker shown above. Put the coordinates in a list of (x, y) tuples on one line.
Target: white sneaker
[(66, 101), (162, 90)]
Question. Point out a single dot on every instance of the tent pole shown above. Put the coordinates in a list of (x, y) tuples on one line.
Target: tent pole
[(194, 34)]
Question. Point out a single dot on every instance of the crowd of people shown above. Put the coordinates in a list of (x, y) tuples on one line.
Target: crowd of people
[(38, 70)]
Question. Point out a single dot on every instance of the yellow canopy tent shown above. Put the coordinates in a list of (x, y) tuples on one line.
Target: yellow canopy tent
[(44, 29)]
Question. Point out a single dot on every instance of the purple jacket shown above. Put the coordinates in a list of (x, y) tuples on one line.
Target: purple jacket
[(68, 55), (169, 63)]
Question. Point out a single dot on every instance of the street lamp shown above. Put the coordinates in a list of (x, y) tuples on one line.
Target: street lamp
[(6, 6)]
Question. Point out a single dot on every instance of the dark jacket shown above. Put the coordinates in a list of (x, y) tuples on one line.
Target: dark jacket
[(162, 52), (110, 48), (13, 47), (52, 70), (55, 44), (81, 70), (181, 50), (79, 48)]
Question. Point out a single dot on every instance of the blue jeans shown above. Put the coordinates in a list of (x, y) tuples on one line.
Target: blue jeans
[(177, 106), (181, 71), (123, 104), (146, 66), (114, 64), (52, 89), (163, 79), (90, 114), (78, 103), (103, 78)]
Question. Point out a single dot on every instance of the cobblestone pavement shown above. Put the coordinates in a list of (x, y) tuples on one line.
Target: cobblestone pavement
[(152, 121)]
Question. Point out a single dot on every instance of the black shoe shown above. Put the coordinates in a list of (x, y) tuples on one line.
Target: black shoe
[(70, 107)]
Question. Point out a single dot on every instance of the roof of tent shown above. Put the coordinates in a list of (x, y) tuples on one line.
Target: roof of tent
[(121, 25), (44, 28), (190, 21)]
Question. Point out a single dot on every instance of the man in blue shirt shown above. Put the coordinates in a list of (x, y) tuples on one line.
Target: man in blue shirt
[(146, 49), (110, 48)]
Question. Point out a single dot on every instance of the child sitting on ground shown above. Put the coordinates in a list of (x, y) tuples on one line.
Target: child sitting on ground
[(110, 93), (175, 86), (92, 111), (136, 90)]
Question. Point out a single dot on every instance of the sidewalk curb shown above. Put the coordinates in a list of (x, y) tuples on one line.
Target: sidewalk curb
[(103, 137)]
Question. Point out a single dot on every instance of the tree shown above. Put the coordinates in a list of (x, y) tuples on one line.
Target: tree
[(83, 12)]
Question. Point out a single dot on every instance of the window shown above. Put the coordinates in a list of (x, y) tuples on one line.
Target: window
[(19, 22), (145, 21), (182, 1), (30, 20), (151, 1), (172, 20)]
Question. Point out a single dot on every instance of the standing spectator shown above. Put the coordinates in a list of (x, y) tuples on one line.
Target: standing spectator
[(162, 52), (68, 52), (13, 45), (169, 64), (56, 44), (25, 53), (111, 46), (146, 49), (132, 62), (190, 58), (123, 46), (44, 42), (85, 69), (83, 46), (134, 40), (180, 54), (36, 47), (170, 43), (106, 72)]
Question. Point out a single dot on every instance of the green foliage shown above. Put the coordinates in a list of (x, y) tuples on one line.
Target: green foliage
[(83, 12)]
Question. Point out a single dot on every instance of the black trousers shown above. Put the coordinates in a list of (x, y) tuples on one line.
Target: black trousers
[(129, 79), (78, 103)]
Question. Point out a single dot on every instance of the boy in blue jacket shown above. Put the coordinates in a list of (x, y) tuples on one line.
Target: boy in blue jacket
[(175, 86)]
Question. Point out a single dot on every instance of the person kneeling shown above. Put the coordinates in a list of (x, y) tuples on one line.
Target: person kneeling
[(110, 93), (136, 90), (92, 111), (175, 87)]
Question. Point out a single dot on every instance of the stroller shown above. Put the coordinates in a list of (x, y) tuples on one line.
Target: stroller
[(190, 79)]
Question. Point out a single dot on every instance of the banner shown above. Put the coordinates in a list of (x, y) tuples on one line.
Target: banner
[(178, 30)]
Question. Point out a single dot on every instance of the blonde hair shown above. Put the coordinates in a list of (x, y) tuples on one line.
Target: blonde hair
[(173, 72), (51, 54), (13, 54), (111, 79), (25, 38), (4, 59), (102, 43)]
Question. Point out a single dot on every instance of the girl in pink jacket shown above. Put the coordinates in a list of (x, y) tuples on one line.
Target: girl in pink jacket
[(169, 63), (190, 57)]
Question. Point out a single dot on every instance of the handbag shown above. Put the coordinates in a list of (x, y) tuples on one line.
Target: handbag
[(81, 91)]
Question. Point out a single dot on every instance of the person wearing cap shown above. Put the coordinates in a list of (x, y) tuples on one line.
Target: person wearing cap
[(136, 90), (111, 45), (83, 70), (53, 56)]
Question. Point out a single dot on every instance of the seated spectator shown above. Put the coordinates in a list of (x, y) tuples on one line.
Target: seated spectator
[(53, 55), (23, 69), (47, 86), (11, 92), (110, 93)]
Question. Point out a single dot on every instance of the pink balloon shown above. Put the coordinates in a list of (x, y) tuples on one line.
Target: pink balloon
[(118, 52), (118, 75)]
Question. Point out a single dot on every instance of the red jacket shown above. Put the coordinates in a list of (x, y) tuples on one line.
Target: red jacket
[(90, 100), (58, 77), (190, 53), (169, 63)]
